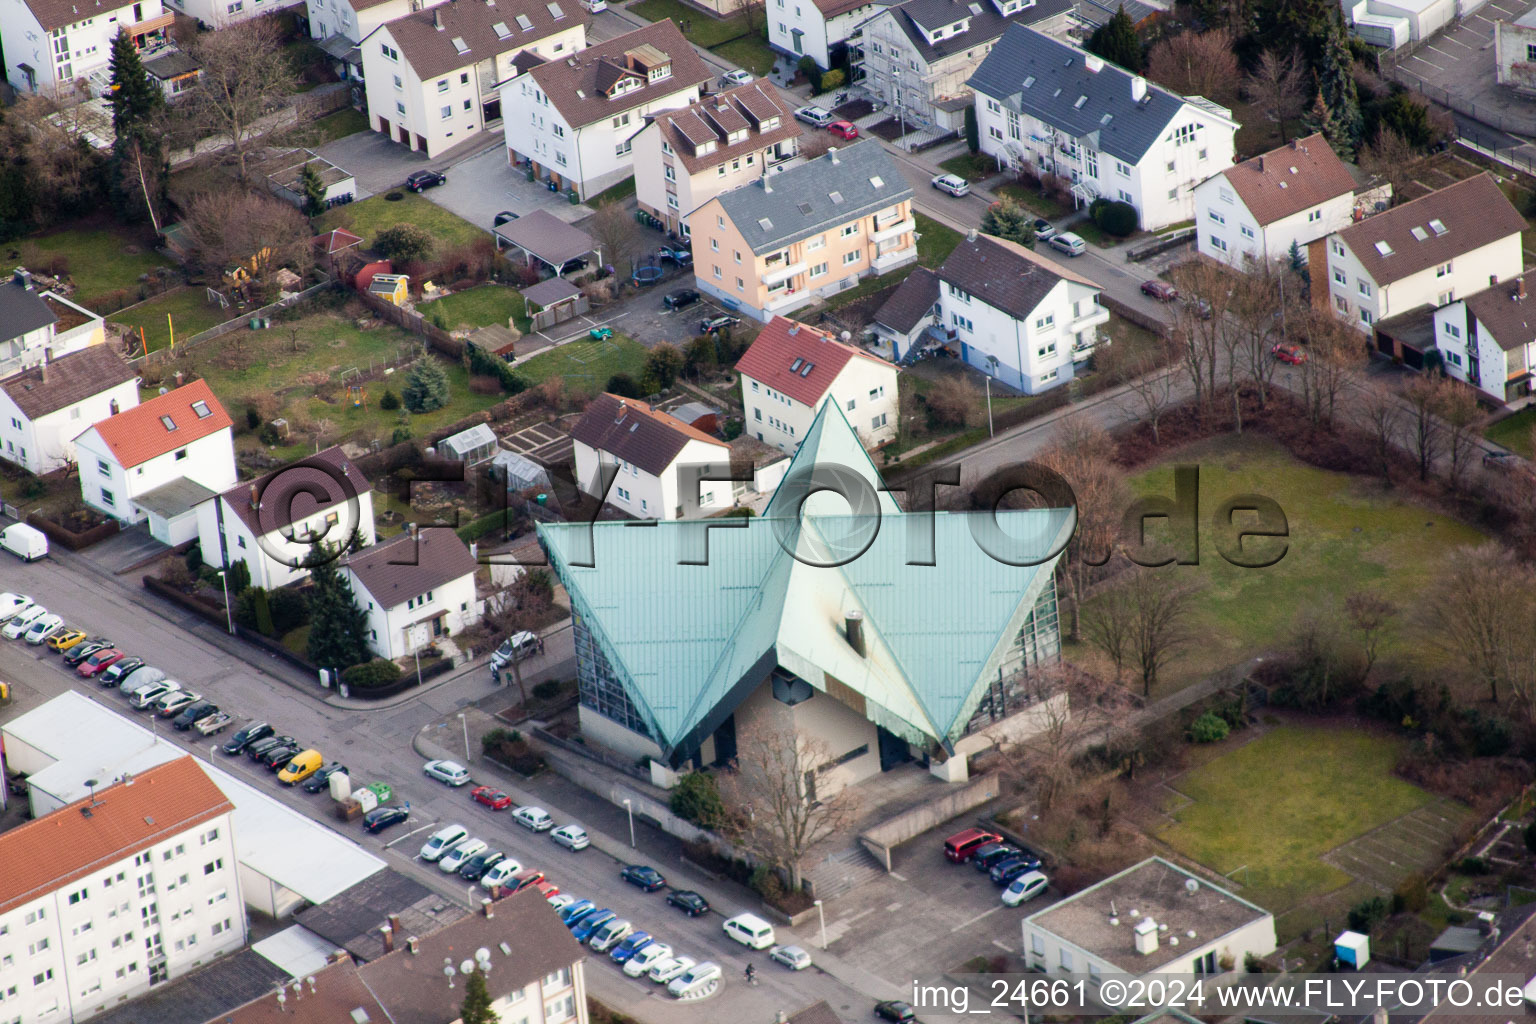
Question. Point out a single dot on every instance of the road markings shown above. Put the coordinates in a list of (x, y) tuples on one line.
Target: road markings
[(1441, 52), (978, 917), (408, 835), (898, 876), (1005, 948), (891, 908)]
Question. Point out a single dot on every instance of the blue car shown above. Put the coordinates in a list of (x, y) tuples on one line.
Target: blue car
[(575, 910), (1006, 871), (591, 923), (630, 946)]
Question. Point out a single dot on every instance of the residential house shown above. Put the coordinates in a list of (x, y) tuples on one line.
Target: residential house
[(912, 311), (1093, 14), (415, 587), (182, 435), (813, 230), (686, 157), (1452, 242), (36, 325), (1514, 53), (174, 71), (43, 409), (791, 370), (573, 119), (432, 76), (271, 523), (916, 57), (1054, 107), (340, 26), (50, 45), (635, 458), (117, 891), (1030, 322), (822, 30), (219, 14), (1154, 917), (1488, 339), (1258, 209), (747, 634)]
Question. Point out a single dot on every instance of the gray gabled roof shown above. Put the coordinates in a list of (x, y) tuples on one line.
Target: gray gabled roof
[(1095, 105), (986, 22), (834, 189), (22, 310)]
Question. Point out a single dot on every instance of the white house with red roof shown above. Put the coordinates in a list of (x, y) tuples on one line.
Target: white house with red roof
[(792, 369), (158, 460), (642, 453)]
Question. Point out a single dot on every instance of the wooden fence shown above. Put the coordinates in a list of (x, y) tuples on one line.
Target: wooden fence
[(417, 324), (162, 355)]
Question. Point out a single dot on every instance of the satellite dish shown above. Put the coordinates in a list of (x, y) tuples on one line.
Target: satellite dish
[(467, 967), (1191, 886), (482, 954), (846, 335)]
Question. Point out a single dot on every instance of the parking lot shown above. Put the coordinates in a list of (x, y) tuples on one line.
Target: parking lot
[(486, 184), (1457, 63)]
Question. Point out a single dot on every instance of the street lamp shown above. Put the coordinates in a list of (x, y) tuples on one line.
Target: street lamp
[(628, 807), (823, 915), (229, 615), (465, 724), (992, 367)]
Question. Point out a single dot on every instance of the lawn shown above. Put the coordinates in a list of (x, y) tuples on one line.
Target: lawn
[(1320, 788), (614, 193), (700, 28), (749, 51), (189, 310), (935, 242), (1514, 432), (478, 307), (339, 125), (1345, 535), (973, 167), (99, 262), (586, 365), (371, 216), (1031, 199)]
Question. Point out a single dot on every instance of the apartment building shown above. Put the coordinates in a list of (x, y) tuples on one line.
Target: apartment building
[(340, 26), (117, 892), (432, 77), (50, 45), (918, 56), (1056, 108), (573, 120), (685, 157), (43, 409), (219, 14), (1488, 340), (813, 230)]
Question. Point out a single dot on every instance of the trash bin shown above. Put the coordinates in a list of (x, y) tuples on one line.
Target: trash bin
[(573, 197), (541, 498)]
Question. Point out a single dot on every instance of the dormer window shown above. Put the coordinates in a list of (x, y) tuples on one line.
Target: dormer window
[(657, 74), (768, 125)]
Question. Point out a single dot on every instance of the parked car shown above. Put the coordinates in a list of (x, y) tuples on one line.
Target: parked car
[(633, 943), (680, 299), (495, 799), (1162, 291), (456, 857), (677, 254), (571, 911), (988, 855), (609, 934), (526, 880), (381, 818), (425, 180), (844, 129), (500, 873), (572, 837), (535, 819), (118, 669), (1044, 229), (194, 714), (953, 184), (1025, 888), (64, 639), (962, 846), (646, 957), (694, 979), (254, 751), (561, 900), (504, 217), (895, 1010), (1288, 353), (793, 957), (449, 772), (665, 970), (1006, 871), (39, 632), (102, 659), (276, 759), (147, 694), (303, 764), (688, 901), (1200, 307), (22, 621), (549, 890), (731, 79), (174, 703), (1068, 243), (712, 324), (27, 543), (590, 923), (322, 778), (814, 115), (441, 841), (643, 876), (84, 649), (12, 605), (214, 723), (479, 864), (518, 646), (133, 678), (252, 733)]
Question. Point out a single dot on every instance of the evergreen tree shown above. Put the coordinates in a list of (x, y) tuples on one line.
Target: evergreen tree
[(1007, 219), (1336, 80), (313, 189), (1306, 24), (1320, 119), (1298, 258), (338, 628), (972, 130), (1116, 42), (426, 386), (477, 1001), (135, 98)]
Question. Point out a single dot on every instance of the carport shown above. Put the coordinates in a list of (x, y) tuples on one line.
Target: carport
[(1409, 336), (544, 238), (553, 301)]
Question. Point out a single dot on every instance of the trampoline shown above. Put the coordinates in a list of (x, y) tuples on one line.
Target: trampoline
[(648, 272)]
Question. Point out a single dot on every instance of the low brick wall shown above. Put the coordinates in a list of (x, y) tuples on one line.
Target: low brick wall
[(69, 538), (1135, 316), (892, 832)]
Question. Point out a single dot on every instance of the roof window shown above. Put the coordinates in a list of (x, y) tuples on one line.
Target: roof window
[(523, 23), (795, 366), (1438, 227), (201, 408), (501, 30), (460, 45), (806, 369), (765, 223), (1419, 233), (168, 423), (836, 197), (877, 181), (1383, 248)]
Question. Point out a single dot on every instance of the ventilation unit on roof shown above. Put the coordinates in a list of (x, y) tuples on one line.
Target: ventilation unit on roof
[(1438, 227), (1384, 248), (1419, 233)]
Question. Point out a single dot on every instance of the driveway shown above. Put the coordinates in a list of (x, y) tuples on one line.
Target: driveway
[(484, 184)]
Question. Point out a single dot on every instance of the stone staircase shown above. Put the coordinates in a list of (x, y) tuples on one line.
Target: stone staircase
[(842, 872)]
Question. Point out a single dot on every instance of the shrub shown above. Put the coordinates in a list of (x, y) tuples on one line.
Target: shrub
[(1411, 895), (547, 690), (623, 385), (812, 71), (400, 435), (371, 675), (269, 435), (402, 243), (194, 560), (1479, 866), (480, 385), (484, 364), (426, 386), (1254, 964), (252, 418), (1116, 218), (1366, 914), (695, 798), (1209, 728), (766, 883), (389, 401), (832, 80)]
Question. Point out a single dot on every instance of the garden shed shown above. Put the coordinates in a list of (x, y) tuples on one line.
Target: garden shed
[(471, 446), (520, 472)]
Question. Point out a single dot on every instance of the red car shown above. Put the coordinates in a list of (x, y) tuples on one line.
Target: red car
[(524, 880), (547, 889), (495, 799), (1162, 291), (99, 661), (844, 129), (1289, 354)]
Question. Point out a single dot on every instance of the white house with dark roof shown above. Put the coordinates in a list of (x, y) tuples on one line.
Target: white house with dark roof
[(44, 408), (923, 52), (791, 370), (910, 319), (1488, 339), (51, 44), (414, 588), (819, 29), (433, 77), (223, 13), (573, 119), (1027, 321), (36, 324), (1431, 251), (271, 523), (641, 451), (1061, 110), (1258, 209), (340, 26), (182, 435)]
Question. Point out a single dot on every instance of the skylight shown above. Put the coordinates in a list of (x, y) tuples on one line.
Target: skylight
[(765, 223), (555, 11), (1438, 227), (795, 366), (168, 423), (806, 369), (877, 181), (1384, 248), (836, 197), (1080, 101), (1419, 233), (1106, 119), (523, 23), (1029, 81), (201, 408), (460, 45), (501, 30)]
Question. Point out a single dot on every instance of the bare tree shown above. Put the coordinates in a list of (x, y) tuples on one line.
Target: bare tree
[(1389, 156), (1318, 645), (1371, 616), (1382, 416), (1084, 454), (1142, 621), (1194, 63), (524, 605), (814, 145), (1261, 319), (1277, 87), (1478, 610), (1422, 394), (750, 11), (249, 230), (1460, 417), (1333, 351), (1068, 707), (245, 75), (1149, 375), (47, 144), (617, 233), (952, 401), (775, 809), (1201, 326)]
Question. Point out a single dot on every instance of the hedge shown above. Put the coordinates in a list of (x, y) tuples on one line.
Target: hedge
[(487, 365), (371, 674)]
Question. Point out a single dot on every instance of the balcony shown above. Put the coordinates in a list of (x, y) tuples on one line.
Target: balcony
[(783, 273), (894, 257), (894, 231), (786, 298), (1091, 317)]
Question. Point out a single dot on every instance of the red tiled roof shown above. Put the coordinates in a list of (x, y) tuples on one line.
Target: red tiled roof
[(127, 818), (1433, 229), (136, 435), (786, 343)]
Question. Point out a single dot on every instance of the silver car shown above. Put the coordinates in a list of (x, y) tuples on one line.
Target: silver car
[(814, 115), (793, 957), (953, 184)]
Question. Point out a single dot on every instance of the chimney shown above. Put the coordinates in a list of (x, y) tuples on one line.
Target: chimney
[(832, 155), (413, 944), (389, 938), (437, 19), (394, 922), (1261, 163), (1093, 62), (1138, 88), (255, 498), (179, 376), (1493, 279), (853, 622), (112, 407), (970, 236), (488, 906), (42, 369), (1146, 936), (767, 185), (781, 1018), (23, 277), (495, 892)]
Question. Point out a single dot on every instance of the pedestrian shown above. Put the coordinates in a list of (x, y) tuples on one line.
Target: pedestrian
[(541, 645), (496, 676)]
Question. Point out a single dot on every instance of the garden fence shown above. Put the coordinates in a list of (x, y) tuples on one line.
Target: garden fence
[(161, 355), (414, 322)]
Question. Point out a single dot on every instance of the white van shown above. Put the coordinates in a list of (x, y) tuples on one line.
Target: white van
[(515, 648), (750, 930), (25, 542), (442, 841)]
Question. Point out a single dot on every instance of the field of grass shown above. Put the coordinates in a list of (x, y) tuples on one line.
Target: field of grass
[(339, 125), (479, 307), (371, 216), (749, 52), (1345, 535), (1318, 789), (973, 167), (1514, 432), (614, 193), (189, 310), (586, 365), (934, 244), (100, 261), (1031, 199), (700, 28)]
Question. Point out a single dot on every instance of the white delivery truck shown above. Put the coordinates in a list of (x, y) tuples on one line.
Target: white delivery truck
[(25, 542)]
